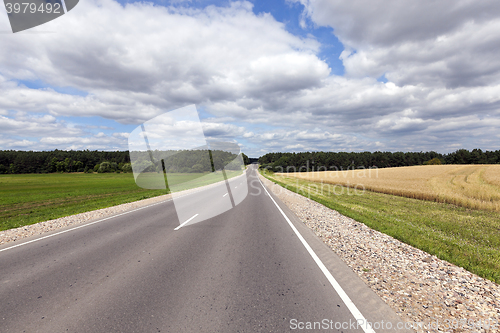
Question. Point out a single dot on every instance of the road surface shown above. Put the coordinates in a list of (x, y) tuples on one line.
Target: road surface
[(245, 270)]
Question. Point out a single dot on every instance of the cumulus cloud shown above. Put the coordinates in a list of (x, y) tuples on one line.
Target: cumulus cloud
[(308, 140), (47, 133), (141, 54), (36, 126), (218, 130), (388, 22), (450, 42), (119, 106), (259, 83)]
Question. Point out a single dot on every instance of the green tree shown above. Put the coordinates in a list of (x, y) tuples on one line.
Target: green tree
[(105, 167), (434, 161), (53, 164), (127, 167), (69, 164), (61, 166), (246, 160), (198, 168), (78, 166), (12, 168)]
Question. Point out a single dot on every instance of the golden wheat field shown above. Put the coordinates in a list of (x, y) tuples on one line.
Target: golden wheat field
[(470, 186)]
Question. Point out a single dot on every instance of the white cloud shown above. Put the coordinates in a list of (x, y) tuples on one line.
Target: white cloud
[(449, 42), (388, 22), (140, 60), (45, 132), (218, 130), (9, 143), (308, 140), (35, 126), (97, 142), (121, 135), (143, 56), (126, 108)]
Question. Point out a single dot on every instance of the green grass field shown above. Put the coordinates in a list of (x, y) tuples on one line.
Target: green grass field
[(464, 237), (30, 198)]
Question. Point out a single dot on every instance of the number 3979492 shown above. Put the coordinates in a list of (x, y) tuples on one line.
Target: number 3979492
[(30, 7)]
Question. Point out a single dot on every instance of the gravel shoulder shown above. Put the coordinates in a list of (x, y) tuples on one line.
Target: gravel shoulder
[(421, 288), (41, 228), (418, 286), (12, 235)]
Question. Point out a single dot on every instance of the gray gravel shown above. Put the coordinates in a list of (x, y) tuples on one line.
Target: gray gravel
[(418, 286), (16, 234), (40, 228)]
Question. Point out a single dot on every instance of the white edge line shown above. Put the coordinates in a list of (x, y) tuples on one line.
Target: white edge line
[(87, 224), (84, 225), (101, 220), (192, 217), (225, 195), (345, 298)]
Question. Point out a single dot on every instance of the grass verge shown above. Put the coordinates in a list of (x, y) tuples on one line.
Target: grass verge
[(31, 198), (464, 237)]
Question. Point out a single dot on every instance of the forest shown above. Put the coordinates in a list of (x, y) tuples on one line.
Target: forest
[(20, 162), (332, 161), (184, 161), (17, 161)]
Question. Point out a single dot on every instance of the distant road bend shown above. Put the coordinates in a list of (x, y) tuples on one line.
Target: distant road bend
[(254, 268)]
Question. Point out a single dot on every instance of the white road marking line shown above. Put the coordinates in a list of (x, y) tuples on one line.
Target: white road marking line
[(225, 195), (345, 298), (101, 220), (85, 225), (192, 217), (110, 217)]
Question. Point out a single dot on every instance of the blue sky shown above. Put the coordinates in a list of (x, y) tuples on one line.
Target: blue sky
[(295, 75)]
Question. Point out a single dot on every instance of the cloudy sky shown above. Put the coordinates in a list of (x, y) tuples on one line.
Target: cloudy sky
[(290, 75)]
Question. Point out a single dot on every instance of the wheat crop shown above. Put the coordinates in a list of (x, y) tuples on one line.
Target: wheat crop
[(470, 186)]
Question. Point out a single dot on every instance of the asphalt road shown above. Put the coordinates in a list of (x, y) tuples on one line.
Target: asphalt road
[(245, 270)]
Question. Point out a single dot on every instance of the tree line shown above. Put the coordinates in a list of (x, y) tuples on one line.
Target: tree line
[(17, 161), (185, 161), (332, 161)]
